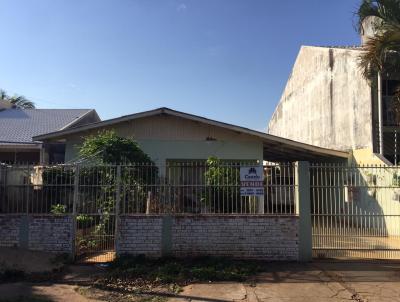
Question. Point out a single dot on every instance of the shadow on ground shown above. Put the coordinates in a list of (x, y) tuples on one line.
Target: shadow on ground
[(317, 281)]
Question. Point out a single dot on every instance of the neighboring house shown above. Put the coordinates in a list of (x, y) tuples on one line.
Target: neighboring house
[(169, 135), (328, 103), (18, 126)]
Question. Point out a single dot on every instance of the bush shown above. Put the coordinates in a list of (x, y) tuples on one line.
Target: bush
[(58, 209)]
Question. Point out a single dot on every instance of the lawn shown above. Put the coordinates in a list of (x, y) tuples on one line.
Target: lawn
[(140, 274)]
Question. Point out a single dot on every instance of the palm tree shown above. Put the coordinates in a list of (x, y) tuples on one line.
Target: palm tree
[(382, 51), (17, 101)]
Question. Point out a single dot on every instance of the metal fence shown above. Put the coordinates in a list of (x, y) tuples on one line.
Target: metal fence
[(178, 188), (355, 211)]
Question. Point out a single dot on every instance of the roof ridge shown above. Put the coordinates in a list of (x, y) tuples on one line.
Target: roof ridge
[(354, 47)]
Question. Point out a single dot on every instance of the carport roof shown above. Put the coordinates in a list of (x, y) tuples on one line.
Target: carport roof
[(275, 148)]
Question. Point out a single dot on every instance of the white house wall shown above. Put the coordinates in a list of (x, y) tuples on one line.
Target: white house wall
[(326, 101)]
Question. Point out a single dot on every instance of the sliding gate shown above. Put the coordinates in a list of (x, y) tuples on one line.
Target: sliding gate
[(355, 211)]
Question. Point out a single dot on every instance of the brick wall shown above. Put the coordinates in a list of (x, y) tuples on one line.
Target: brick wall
[(9, 230), (249, 237), (140, 235), (258, 237), (51, 233), (37, 232)]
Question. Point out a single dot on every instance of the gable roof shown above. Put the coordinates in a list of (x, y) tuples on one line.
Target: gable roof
[(19, 126), (275, 148)]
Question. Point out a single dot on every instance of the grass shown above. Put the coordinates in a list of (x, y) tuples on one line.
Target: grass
[(181, 271), (133, 278)]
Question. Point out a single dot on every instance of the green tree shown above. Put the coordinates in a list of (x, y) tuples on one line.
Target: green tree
[(18, 101), (101, 153), (382, 51), (108, 148), (222, 193)]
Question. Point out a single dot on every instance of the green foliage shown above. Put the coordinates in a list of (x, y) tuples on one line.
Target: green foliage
[(83, 219), (181, 271), (396, 180), (18, 101), (58, 209), (58, 175), (223, 186), (86, 243), (382, 52), (108, 148)]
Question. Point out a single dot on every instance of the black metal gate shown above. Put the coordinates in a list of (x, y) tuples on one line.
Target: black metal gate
[(95, 213)]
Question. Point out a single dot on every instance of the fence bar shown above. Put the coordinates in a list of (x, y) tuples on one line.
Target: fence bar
[(196, 187)]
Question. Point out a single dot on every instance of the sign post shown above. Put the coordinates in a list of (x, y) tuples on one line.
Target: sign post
[(252, 184)]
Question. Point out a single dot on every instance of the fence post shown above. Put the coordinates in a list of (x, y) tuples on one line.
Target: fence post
[(28, 178), (303, 209), (76, 190), (74, 208), (24, 226), (117, 206)]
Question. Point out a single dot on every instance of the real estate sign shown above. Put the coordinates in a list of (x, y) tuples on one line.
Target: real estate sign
[(252, 181)]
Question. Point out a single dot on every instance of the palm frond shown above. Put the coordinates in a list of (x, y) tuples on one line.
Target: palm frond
[(3, 95), (381, 53), (21, 102), (387, 13)]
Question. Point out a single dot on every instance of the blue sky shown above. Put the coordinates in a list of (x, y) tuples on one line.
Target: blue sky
[(224, 59)]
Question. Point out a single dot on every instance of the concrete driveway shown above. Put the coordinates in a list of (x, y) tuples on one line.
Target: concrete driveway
[(320, 281)]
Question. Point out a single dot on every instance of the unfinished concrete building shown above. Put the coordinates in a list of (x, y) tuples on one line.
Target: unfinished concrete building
[(328, 103)]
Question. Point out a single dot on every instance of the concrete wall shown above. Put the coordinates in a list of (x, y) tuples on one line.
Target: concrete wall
[(247, 237), (37, 232), (326, 101), (168, 137)]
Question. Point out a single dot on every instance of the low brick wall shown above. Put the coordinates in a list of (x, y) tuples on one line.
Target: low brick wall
[(140, 235), (9, 230), (51, 233), (248, 237), (38, 232)]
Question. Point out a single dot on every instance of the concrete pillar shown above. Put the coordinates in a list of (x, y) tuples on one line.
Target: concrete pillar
[(24, 232), (303, 209), (166, 233)]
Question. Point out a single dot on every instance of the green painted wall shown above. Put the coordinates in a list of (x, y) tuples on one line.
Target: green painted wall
[(168, 137), (160, 150)]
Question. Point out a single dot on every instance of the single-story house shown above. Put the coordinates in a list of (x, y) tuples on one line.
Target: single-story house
[(169, 135), (19, 126)]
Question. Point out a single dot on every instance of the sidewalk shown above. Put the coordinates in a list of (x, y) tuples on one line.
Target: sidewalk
[(307, 282)]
